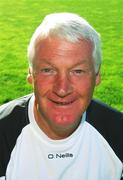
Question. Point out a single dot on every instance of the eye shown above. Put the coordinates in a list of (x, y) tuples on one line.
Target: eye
[(47, 71), (78, 72)]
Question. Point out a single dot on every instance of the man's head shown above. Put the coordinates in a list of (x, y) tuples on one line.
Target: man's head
[(65, 57), (67, 26)]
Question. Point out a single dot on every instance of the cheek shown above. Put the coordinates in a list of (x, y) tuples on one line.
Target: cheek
[(42, 85), (85, 87), (85, 90)]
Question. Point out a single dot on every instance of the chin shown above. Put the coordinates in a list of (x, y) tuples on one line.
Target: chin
[(65, 121)]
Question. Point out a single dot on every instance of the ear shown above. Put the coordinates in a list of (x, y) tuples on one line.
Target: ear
[(29, 76), (98, 78)]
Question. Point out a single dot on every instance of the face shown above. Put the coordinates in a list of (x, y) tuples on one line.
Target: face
[(63, 78)]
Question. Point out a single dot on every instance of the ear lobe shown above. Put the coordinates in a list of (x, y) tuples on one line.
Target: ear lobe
[(98, 79), (29, 77)]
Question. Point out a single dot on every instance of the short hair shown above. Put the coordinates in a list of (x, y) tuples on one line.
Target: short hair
[(70, 27)]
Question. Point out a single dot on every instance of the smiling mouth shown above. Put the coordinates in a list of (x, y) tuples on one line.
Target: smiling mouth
[(60, 103)]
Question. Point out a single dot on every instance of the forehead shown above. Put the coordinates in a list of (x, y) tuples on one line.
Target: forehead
[(56, 50)]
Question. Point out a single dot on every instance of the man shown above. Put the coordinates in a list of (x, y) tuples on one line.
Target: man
[(59, 132)]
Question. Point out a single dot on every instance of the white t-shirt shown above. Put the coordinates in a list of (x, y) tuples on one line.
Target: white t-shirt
[(85, 155)]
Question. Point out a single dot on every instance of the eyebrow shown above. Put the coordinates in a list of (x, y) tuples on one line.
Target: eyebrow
[(79, 63), (45, 61)]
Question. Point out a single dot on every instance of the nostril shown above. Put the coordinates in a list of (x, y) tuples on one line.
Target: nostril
[(62, 91), (62, 86)]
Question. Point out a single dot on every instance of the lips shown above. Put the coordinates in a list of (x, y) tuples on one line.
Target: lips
[(62, 103)]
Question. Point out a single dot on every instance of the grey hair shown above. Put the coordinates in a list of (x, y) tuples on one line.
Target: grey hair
[(67, 26)]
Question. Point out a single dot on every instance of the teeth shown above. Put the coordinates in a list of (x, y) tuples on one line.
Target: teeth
[(63, 103)]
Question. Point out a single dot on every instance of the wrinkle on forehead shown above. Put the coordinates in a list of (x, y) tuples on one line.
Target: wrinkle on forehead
[(56, 50), (62, 44)]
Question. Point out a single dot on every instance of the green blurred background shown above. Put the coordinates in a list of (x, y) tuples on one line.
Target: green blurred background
[(18, 20)]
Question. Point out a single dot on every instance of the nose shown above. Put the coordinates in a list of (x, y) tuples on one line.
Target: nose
[(62, 86)]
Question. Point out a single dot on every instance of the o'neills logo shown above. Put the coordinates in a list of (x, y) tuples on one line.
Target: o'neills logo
[(61, 156)]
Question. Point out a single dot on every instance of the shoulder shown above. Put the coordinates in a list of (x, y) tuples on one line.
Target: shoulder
[(109, 123), (13, 117), (14, 113), (10, 107), (102, 110)]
